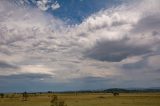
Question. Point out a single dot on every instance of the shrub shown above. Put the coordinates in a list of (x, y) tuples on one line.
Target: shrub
[(55, 102), (2, 95)]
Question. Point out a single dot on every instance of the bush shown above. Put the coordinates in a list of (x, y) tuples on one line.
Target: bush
[(55, 102), (2, 95), (115, 93)]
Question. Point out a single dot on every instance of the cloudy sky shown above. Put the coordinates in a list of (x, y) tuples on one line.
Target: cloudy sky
[(79, 44)]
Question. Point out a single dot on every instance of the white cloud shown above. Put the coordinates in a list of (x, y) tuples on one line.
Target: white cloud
[(55, 6), (47, 4), (38, 43), (43, 5), (36, 69)]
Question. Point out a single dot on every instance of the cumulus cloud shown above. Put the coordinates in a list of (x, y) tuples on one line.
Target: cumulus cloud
[(55, 6), (47, 4), (115, 43), (42, 5)]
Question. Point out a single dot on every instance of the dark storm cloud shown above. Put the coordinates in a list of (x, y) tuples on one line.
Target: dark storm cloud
[(26, 76), (4, 65), (115, 51)]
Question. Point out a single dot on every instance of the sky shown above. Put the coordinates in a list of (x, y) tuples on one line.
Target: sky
[(63, 45)]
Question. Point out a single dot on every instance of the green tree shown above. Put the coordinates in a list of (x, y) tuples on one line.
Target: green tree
[(2, 95)]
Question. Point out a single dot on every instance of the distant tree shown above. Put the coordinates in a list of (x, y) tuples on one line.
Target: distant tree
[(50, 92), (115, 93), (2, 95), (24, 96)]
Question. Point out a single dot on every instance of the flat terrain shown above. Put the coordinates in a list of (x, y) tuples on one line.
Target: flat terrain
[(85, 99)]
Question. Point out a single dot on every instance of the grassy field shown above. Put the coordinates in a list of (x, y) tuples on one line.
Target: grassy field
[(86, 99)]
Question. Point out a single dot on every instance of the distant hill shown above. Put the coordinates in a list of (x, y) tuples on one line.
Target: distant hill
[(157, 89), (118, 90)]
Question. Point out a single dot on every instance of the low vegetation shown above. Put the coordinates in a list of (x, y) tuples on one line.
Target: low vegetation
[(80, 99), (56, 102)]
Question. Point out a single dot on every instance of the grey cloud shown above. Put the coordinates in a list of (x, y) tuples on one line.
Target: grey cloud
[(91, 82), (137, 65), (103, 83), (148, 23), (91, 79), (66, 51), (5, 65), (26, 76), (115, 51)]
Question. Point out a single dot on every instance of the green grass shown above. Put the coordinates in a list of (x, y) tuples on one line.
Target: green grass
[(88, 99)]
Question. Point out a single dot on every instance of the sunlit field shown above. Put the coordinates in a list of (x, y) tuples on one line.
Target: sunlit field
[(84, 99)]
